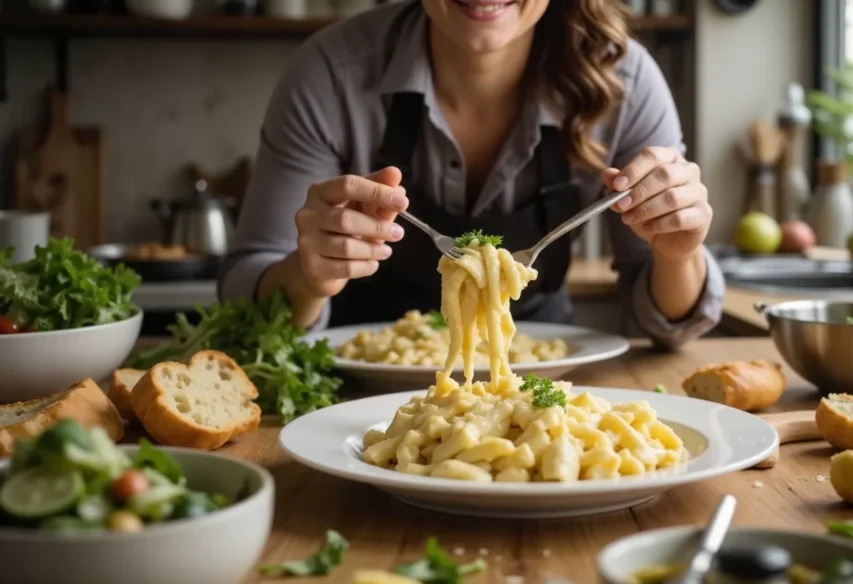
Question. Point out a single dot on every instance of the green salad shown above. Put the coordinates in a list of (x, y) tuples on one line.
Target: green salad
[(70, 479), (62, 288)]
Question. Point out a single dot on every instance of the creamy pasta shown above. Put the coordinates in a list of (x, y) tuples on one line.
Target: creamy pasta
[(510, 429), (424, 339)]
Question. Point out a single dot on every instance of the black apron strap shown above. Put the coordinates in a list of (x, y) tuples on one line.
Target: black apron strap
[(398, 147)]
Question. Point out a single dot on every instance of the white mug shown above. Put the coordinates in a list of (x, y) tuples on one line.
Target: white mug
[(24, 231)]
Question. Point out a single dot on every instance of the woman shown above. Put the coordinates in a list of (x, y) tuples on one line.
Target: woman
[(507, 116)]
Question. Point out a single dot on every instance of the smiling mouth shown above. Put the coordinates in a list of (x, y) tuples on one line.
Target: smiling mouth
[(486, 9)]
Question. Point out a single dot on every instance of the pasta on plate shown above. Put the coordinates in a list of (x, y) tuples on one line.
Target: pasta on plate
[(511, 429), (424, 339)]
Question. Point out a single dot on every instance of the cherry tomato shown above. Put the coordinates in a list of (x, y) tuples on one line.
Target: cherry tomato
[(131, 483), (7, 326), (125, 521)]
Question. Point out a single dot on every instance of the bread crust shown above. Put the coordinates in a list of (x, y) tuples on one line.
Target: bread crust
[(834, 425), (119, 393), (745, 385), (84, 402), (170, 427)]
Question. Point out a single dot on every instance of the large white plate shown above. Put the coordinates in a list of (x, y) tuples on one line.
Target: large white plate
[(720, 440), (590, 346)]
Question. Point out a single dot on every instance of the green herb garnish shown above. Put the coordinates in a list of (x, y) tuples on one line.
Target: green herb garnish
[(319, 564), (477, 235), (148, 456), (292, 377), (660, 388), (545, 394), (435, 320), (63, 288), (438, 567), (843, 528)]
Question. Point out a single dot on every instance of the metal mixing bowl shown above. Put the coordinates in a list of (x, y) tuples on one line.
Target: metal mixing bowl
[(815, 339)]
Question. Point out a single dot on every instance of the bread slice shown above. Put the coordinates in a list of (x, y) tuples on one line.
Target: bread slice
[(124, 380), (834, 418), (745, 385), (200, 405), (84, 402)]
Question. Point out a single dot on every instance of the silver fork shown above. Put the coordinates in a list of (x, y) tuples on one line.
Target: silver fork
[(445, 244), (528, 256)]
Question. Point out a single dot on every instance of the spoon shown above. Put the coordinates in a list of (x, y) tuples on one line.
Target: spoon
[(710, 543)]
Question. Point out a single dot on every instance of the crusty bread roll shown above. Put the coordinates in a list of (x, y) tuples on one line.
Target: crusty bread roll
[(84, 402), (745, 385), (834, 418), (201, 405), (124, 380)]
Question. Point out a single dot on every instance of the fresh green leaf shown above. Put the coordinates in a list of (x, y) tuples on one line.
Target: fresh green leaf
[(545, 394), (477, 235), (319, 564), (843, 528), (150, 456), (63, 288), (438, 567), (292, 377), (436, 320), (838, 572), (660, 388)]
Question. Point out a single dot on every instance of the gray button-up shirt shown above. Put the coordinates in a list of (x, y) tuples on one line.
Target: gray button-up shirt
[(327, 117)]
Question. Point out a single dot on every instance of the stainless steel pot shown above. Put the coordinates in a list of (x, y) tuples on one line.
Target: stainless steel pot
[(815, 338), (200, 222)]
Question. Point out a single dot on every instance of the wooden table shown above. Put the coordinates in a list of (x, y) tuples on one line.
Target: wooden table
[(383, 532)]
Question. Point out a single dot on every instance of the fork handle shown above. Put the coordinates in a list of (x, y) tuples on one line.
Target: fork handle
[(578, 220), (417, 223)]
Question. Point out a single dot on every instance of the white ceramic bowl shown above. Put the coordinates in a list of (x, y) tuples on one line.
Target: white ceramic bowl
[(33, 365), (626, 556), (169, 9), (220, 548)]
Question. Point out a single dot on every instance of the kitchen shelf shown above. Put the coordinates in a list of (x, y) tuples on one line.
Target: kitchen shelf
[(220, 26)]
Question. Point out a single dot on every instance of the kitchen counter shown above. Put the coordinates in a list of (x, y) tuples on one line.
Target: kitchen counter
[(382, 532), (595, 279)]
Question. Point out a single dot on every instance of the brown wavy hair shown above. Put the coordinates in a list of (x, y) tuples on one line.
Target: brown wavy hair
[(576, 47)]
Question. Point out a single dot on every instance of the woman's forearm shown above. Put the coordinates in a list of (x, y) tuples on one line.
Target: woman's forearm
[(677, 285), (288, 276)]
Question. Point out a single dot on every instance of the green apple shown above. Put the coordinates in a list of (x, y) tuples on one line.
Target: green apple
[(757, 233)]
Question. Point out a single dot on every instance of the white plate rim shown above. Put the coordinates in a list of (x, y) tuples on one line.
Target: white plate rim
[(613, 346), (392, 480)]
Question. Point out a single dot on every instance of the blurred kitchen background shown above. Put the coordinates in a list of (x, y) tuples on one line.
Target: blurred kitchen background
[(164, 97)]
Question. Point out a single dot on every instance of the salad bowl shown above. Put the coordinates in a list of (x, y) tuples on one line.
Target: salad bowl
[(38, 364), (220, 547)]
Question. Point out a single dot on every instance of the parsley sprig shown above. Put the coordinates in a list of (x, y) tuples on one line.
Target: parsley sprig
[(435, 320), (438, 567), (545, 394), (477, 235), (319, 564)]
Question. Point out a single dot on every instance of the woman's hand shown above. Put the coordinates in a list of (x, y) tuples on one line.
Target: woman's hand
[(668, 205), (344, 225)]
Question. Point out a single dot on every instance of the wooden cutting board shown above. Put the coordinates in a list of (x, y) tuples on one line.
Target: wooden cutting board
[(61, 169), (796, 426)]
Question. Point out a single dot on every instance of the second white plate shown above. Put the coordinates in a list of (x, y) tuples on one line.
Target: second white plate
[(720, 440), (589, 346)]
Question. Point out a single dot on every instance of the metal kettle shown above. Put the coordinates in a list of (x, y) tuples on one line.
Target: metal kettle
[(201, 223)]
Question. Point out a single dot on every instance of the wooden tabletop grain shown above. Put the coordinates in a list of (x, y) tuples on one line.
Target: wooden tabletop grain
[(382, 532)]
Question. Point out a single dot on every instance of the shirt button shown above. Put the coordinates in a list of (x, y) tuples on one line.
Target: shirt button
[(454, 164)]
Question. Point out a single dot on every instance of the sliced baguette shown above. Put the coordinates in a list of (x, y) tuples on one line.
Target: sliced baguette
[(834, 418), (745, 385), (200, 405), (84, 402), (124, 380)]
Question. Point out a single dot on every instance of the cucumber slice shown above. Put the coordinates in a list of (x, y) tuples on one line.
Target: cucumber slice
[(40, 492)]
